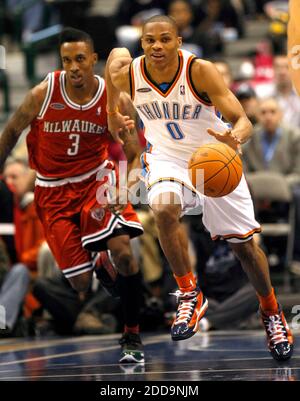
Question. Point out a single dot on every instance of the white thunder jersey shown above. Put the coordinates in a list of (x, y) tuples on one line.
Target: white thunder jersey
[(175, 120), (175, 126)]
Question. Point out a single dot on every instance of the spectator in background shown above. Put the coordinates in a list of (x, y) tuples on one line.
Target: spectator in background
[(274, 146), (34, 15), (218, 21), (14, 282), (254, 8), (29, 234), (263, 76), (284, 92), (130, 17), (72, 312), (31, 248), (224, 68), (181, 11), (134, 12), (7, 228), (248, 99)]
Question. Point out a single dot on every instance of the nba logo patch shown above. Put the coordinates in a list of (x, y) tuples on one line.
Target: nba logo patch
[(98, 213), (182, 89), (57, 106), (98, 111)]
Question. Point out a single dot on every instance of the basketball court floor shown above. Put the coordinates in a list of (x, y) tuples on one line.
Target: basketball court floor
[(226, 356)]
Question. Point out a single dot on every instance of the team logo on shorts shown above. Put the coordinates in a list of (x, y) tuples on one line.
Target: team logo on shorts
[(98, 213), (182, 89), (57, 106)]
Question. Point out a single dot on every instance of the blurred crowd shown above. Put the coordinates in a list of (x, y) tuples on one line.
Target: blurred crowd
[(205, 25), (37, 298)]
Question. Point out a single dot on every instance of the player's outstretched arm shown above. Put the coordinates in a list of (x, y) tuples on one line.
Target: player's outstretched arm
[(294, 43), (117, 81), (20, 120), (207, 78)]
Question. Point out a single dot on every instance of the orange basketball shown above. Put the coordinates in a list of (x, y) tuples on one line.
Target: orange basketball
[(221, 168)]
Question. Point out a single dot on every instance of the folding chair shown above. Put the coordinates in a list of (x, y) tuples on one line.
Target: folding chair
[(267, 186)]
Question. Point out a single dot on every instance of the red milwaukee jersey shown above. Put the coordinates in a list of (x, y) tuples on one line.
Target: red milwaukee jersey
[(67, 139)]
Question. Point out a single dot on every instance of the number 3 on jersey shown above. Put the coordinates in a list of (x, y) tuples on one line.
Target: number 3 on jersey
[(73, 150), (175, 131)]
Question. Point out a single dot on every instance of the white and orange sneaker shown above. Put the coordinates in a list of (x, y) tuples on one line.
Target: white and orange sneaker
[(192, 307), (279, 335)]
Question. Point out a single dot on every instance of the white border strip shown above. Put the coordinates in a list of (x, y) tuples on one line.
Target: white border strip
[(50, 78)]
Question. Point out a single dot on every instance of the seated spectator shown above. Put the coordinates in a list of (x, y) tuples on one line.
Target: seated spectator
[(263, 77), (218, 21), (224, 69), (134, 12), (181, 11), (14, 282), (278, 13), (7, 228), (284, 92), (96, 312), (273, 146), (29, 234), (130, 17), (248, 99), (31, 249), (72, 312), (34, 14)]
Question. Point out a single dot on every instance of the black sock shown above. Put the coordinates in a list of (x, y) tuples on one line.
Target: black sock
[(130, 290)]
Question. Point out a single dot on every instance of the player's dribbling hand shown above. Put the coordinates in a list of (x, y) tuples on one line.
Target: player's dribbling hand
[(228, 137), (117, 123)]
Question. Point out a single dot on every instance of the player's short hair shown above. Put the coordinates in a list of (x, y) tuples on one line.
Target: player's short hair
[(162, 18), (75, 35)]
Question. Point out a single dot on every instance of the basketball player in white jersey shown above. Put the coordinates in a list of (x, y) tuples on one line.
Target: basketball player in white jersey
[(176, 95), (294, 42)]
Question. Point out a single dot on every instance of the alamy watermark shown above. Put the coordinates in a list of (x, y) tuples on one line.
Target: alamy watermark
[(2, 58), (2, 318), (112, 191)]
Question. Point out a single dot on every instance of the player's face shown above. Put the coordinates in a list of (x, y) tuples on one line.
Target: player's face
[(160, 43), (78, 61)]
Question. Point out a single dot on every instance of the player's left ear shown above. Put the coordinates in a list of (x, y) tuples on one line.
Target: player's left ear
[(95, 57), (179, 39)]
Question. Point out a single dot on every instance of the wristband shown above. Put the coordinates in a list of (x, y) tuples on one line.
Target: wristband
[(110, 113)]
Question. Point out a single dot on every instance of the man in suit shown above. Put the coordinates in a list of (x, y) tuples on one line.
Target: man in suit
[(274, 146)]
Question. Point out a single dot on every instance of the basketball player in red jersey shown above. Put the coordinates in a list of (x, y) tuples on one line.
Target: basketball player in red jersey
[(68, 148), (176, 95)]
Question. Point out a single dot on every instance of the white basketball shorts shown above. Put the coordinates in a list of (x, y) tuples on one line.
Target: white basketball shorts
[(230, 217)]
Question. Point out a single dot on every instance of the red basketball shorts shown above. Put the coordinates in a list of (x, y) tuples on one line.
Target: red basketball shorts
[(76, 226)]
